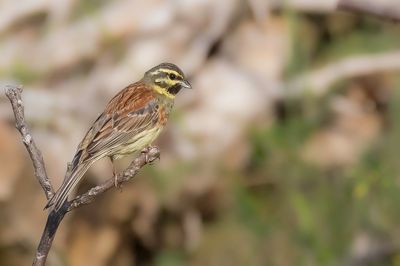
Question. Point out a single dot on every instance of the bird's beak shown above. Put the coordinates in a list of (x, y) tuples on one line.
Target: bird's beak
[(186, 85)]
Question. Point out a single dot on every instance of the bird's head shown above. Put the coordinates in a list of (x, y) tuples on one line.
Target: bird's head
[(166, 79)]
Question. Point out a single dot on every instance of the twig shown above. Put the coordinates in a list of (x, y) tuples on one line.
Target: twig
[(379, 9), (13, 93), (54, 218), (148, 157)]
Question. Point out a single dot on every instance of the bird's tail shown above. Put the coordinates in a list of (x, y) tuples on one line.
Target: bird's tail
[(70, 182)]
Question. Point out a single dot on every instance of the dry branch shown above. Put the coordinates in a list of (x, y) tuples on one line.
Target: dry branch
[(381, 9), (146, 157), (55, 217), (14, 95)]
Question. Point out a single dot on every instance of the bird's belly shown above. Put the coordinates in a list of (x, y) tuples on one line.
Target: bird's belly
[(138, 142)]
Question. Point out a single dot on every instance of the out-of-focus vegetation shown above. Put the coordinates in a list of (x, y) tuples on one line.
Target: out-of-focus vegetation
[(251, 173)]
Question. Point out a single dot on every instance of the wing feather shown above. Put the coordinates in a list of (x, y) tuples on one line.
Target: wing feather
[(127, 114)]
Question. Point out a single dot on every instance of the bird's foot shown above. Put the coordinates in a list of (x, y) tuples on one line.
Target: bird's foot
[(151, 154), (117, 183)]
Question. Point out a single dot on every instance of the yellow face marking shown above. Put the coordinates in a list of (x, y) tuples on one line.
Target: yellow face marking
[(166, 81), (163, 91)]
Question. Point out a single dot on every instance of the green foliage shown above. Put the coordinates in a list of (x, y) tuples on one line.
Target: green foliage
[(88, 7), (318, 39), (170, 258), (282, 210), (320, 210), (23, 74)]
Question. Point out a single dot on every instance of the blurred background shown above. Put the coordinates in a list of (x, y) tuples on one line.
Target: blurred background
[(284, 153)]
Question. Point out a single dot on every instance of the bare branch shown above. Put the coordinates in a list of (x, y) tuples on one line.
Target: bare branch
[(14, 95), (54, 218), (144, 158), (381, 9)]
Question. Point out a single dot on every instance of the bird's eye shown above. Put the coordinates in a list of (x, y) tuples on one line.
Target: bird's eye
[(172, 76)]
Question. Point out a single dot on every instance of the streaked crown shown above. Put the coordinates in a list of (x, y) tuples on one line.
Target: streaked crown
[(166, 79)]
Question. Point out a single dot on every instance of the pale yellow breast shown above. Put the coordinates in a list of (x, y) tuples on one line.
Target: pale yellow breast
[(138, 142)]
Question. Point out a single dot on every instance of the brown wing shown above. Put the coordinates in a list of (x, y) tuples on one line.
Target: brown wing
[(130, 112)]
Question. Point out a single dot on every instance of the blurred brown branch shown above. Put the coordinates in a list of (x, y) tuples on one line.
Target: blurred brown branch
[(55, 217), (385, 10), (312, 6), (320, 80), (373, 255)]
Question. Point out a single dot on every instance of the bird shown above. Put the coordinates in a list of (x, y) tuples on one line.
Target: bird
[(130, 122)]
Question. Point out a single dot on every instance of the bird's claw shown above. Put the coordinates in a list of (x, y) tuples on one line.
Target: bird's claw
[(151, 154), (117, 183)]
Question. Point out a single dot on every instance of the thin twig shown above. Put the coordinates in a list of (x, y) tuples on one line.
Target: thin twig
[(380, 9), (149, 156), (13, 93)]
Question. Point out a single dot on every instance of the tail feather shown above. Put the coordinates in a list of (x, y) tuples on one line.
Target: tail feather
[(68, 185)]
